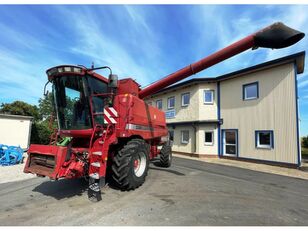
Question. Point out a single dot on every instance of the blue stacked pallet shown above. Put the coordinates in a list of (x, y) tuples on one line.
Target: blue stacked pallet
[(10, 155)]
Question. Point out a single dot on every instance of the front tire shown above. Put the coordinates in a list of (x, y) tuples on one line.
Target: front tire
[(131, 164)]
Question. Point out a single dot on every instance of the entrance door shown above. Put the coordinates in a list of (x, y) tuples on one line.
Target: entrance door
[(230, 142)]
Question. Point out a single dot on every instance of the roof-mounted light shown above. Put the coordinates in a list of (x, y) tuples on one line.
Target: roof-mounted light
[(64, 69)]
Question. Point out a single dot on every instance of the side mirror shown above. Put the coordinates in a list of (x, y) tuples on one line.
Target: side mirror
[(113, 81), (46, 92)]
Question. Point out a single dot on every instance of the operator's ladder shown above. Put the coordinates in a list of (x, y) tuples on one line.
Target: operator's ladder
[(97, 164)]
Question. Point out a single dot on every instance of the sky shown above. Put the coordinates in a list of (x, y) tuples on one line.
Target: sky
[(145, 42)]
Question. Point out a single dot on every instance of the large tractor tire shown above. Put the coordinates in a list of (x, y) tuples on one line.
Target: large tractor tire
[(165, 156), (131, 164)]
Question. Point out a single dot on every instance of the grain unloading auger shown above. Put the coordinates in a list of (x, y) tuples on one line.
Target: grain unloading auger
[(114, 133)]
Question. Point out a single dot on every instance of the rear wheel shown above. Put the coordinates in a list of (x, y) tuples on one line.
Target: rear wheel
[(165, 156), (130, 165)]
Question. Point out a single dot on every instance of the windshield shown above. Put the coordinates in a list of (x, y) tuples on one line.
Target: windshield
[(72, 106), (72, 101)]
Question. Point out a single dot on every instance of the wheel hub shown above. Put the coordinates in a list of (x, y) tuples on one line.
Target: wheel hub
[(136, 164), (140, 164)]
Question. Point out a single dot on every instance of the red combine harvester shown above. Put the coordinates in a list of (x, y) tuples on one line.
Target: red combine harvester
[(113, 133)]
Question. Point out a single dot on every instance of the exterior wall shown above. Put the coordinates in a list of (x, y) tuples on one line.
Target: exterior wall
[(275, 109), (207, 111), (202, 148), (196, 110), (196, 139), (187, 113), (177, 145), (15, 131)]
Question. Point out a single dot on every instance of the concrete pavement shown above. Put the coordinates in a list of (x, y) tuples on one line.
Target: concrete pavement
[(189, 193)]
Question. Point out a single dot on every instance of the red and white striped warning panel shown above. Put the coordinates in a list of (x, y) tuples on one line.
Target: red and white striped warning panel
[(109, 114)]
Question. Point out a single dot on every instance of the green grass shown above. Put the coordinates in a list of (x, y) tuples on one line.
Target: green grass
[(305, 153)]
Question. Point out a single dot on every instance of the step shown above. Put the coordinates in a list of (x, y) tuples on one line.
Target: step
[(96, 164), (94, 176), (98, 153)]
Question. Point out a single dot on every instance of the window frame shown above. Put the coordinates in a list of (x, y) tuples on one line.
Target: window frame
[(182, 136), (257, 139), (168, 105), (182, 99), (244, 92), (159, 100), (169, 134), (209, 143), (212, 92)]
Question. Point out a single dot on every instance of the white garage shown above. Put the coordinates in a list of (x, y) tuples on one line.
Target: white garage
[(15, 130)]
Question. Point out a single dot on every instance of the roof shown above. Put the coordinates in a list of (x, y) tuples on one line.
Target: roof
[(297, 58), (16, 116)]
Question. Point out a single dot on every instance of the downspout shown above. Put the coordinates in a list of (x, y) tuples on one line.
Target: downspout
[(218, 118), (297, 119), (195, 138)]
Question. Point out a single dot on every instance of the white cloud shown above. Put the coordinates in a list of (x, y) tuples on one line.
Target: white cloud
[(19, 38), (216, 26), (22, 76), (98, 46)]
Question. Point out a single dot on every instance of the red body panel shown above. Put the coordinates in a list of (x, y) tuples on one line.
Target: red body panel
[(138, 118), (56, 152), (128, 86), (76, 133)]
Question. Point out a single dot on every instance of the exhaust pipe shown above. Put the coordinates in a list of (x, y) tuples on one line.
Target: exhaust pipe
[(275, 36)]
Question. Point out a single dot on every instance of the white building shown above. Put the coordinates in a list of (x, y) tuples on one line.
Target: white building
[(249, 114), (15, 130)]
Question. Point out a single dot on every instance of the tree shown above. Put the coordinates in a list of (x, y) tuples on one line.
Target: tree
[(21, 108), (40, 133), (46, 106), (305, 141)]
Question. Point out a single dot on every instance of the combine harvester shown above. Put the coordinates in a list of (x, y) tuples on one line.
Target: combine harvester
[(114, 132)]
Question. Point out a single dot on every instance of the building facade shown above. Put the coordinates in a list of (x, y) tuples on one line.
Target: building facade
[(249, 114), (15, 130)]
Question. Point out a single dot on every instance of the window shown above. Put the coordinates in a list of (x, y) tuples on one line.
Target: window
[(98, 101), (171, 102), (72, 105), (208, 97), (185, 99), (185, 137), (208, 137), (159, 104), (264, 139), (251, 91), (171, 135)]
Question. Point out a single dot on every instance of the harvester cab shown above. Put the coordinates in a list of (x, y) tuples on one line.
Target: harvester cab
[(78, 96), (113, 132)]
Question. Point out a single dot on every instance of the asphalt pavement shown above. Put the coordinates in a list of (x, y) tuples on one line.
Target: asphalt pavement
[(189, 193)]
